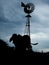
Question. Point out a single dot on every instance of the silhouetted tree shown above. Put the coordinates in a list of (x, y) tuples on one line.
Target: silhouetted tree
[(22, 43), (3, 44), (5, 50), (27, 42), (14, 38)]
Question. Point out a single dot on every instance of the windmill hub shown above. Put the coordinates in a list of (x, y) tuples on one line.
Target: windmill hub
[(29, 8)]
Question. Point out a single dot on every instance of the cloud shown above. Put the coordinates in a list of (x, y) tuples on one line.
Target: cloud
[(44, 50), (42, 39), (12, 20), (39, 35), (45, 1), (40, 19), (42, 14)]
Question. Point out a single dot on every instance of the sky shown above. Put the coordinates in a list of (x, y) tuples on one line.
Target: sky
[(12, 20)]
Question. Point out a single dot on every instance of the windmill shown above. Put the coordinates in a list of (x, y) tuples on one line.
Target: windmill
[(28, 8)]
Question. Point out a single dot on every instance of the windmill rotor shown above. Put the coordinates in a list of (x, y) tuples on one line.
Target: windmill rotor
[(28, 8)]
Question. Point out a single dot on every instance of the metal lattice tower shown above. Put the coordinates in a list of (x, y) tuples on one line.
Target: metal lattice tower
[(27, 26), (28, 8)]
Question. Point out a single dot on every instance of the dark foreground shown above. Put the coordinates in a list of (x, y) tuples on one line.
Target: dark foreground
[(21, 56), (27, 57)]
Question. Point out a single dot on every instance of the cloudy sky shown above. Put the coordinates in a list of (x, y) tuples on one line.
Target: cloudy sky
[(12, 20)]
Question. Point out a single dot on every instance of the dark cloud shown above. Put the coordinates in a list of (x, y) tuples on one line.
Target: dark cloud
[(12, 20), (45, 1)]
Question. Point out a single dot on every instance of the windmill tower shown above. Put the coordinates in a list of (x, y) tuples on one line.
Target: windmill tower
[(28, 8)]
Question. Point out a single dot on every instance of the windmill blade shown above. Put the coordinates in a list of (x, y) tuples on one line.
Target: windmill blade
[(22, 4)]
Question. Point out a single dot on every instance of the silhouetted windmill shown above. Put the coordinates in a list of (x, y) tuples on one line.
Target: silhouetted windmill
[(28, 8)]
